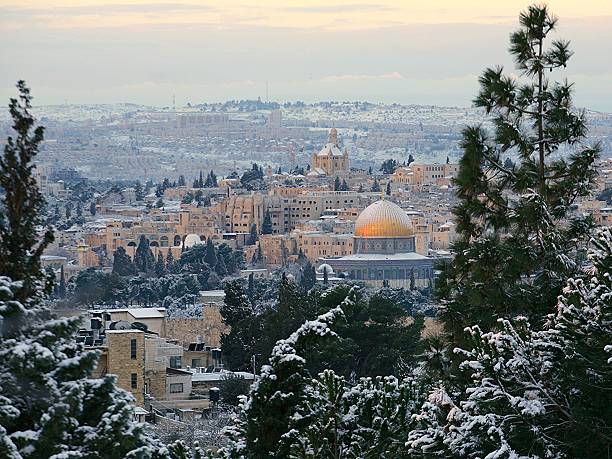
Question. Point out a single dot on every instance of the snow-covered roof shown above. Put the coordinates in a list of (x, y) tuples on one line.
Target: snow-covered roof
[(220, 376), (147, 313), (330, 149)]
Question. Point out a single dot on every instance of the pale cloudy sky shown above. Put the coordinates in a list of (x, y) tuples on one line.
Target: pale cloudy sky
[(407, 51)]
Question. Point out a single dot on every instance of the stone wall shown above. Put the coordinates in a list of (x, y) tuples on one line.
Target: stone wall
[(209, 328)]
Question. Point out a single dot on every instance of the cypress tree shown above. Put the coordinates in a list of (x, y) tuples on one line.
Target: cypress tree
[(337, 184), (92, 208), (220, 267), (160, 266), (253, 234), (266, 226), (122, 263), (211, 255), (516, 222), (61, 290), (375, 186), (143, 257), (388, 189), (170, 263)]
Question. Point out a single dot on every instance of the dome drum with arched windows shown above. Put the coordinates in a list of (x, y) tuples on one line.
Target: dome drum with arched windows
[(383, 227)]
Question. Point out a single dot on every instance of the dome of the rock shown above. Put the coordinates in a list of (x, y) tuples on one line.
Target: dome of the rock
[(383, 219)]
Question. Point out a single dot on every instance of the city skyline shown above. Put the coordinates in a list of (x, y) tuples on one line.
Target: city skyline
[(383, 51)]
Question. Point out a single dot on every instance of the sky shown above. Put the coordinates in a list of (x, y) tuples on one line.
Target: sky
[(404, 51)]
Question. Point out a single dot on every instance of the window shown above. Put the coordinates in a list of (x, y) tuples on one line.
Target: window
[(176, 388), (134, 381), (133, 349), (196, 363), (175, 361)]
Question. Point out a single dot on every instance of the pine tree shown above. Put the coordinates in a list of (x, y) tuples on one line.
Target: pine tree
[(281, 403), (181, 181), (360, 189), (211, 254), (122, 263), (517, 223), (410, 160), (22, 204), (160, 266), (188, 198), (375, 186), (48, 405), (266, 226), (344, 186), (532, 392)]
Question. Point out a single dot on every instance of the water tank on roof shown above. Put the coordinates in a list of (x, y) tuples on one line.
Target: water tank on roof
[(120, 325), (140, 326)]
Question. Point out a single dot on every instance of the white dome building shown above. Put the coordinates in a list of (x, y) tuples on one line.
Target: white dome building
[(191, 240)]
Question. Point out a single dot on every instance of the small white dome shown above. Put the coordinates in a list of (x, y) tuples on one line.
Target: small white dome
[(324, 266), (191, 240)]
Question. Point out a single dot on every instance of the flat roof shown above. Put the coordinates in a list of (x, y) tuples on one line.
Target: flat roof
[(380, 256)]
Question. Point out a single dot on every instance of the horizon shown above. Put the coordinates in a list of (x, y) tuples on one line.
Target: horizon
[(383, 51)]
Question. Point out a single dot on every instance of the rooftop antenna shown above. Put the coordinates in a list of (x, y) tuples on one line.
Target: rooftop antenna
[(174, 102), (267, 92)]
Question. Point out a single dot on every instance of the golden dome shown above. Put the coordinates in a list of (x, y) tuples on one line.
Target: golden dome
[(383, 219)]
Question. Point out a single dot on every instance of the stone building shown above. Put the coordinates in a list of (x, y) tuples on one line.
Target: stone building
[(126, 359), (425, 175), (330, 160)]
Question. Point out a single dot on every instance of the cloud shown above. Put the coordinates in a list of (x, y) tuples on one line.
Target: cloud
[(347, 8), (103, 9), (385, 76)]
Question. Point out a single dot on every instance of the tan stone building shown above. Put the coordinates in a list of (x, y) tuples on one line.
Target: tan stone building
[(425, 175), (126, 359), (330, 160), (318, 244)]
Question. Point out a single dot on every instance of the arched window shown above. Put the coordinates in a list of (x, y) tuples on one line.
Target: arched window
[(177, 240)]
